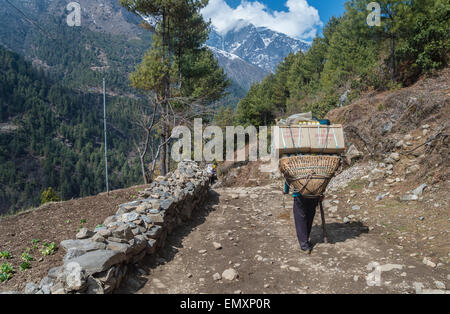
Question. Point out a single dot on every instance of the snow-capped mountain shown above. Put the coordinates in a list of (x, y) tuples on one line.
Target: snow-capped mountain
[(240, 71), (259, 46)]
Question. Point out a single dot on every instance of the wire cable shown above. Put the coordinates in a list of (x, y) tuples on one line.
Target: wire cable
[(31, 21)]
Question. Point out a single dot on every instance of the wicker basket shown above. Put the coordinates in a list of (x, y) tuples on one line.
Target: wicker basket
[(309, 174)]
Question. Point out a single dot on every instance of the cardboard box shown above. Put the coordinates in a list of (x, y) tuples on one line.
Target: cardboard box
[(291, 139), (326, 139), (297, 139)]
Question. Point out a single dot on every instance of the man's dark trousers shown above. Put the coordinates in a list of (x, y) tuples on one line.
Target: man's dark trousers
[(304, 212)]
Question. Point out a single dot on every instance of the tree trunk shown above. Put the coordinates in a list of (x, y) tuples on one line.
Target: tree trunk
[(144, 173), (392, 58), (163, 148), (165, 96)]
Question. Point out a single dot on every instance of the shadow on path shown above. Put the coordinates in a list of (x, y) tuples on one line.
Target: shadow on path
[(338, 232)]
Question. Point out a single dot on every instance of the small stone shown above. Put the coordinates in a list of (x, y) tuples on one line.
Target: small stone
[(356, 207), (412, 169), (217, 245), (418, 286), (296, 269), (189, 275), (266, 286), (84, 233), (421, 218), (346, 220), (395, 156), (408, 137), (333, 209), (230, 274), (419, 190), (409, 197), (440, 284), (428, 262), (217, 277), (202, 251)]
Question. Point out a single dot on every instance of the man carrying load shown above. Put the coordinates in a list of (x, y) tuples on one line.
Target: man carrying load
[(309, 151)]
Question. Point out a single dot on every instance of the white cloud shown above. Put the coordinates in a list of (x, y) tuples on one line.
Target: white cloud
[(300, 21)]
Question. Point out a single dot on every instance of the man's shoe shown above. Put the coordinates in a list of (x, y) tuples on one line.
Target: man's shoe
[(306, 252)]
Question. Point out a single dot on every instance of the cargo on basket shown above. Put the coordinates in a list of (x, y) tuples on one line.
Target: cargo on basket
[(309, 138), (309, 152)]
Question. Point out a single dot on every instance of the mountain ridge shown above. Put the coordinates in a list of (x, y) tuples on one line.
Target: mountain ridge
[(259, 46)]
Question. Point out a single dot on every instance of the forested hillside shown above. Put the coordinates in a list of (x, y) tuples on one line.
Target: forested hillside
[(77, 56), (352, 58), (51, 136)]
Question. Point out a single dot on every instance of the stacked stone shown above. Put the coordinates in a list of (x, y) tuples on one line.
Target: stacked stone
[(96, 262)]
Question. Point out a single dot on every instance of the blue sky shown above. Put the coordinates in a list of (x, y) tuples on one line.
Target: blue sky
[(302, 19), (326, 8)]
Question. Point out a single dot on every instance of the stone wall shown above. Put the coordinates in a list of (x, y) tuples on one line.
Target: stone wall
[(97, 261)]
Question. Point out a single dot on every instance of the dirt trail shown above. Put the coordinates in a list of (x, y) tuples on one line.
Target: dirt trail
[(255, 228)]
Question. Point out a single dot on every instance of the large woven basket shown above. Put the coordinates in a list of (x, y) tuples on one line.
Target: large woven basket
[(309, 174)]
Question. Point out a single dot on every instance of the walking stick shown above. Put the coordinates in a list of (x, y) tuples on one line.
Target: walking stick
[(324, 230)]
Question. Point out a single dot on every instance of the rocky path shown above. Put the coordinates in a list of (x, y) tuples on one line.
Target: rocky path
[(250, 233)]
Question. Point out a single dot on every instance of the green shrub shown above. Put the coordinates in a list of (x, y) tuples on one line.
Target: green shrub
[(26, 257), (6, 271), (49, 195), (48, 248), (5, 255), (25, 266)]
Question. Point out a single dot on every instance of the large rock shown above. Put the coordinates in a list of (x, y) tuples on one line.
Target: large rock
[(166, 204), (73, 253), (123, 232), (84, 233), (75, 277), (129, 217), (98, 261), (31, 288), (54, 272), (127, 207), (352, 154), (46, 284), (154, 232), (157, 219), (137, 245), (82, 245), (119, 247)]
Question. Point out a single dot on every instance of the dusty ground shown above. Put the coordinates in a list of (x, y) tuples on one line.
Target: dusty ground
[(258, 241), (52, 222)]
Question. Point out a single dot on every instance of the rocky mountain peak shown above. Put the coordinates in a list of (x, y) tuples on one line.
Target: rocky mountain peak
[(259, 46)]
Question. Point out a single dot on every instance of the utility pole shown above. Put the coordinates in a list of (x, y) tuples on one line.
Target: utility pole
[(104, 122)]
